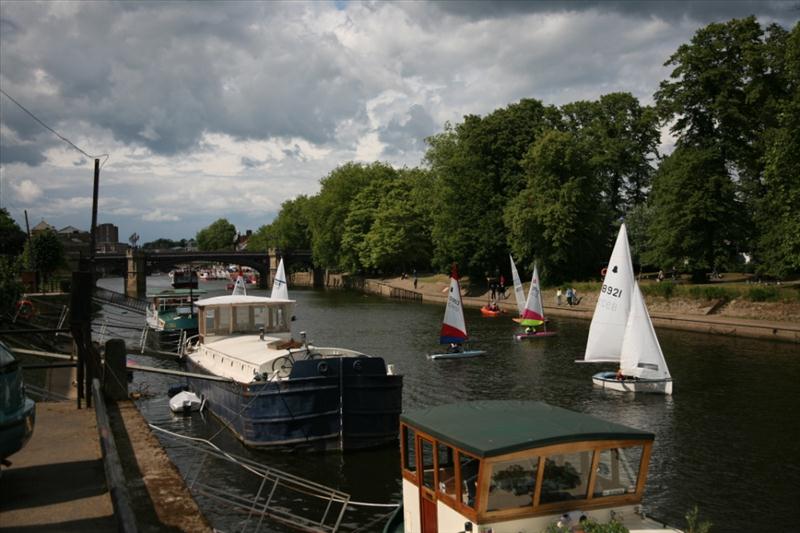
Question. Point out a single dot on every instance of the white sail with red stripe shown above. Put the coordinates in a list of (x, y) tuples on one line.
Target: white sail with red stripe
[(454, 330)]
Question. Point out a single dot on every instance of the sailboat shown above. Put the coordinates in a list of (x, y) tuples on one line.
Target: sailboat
[(239, 287), (280, 290), (454, 329), (621, 331), (533, 313), (519, 292)]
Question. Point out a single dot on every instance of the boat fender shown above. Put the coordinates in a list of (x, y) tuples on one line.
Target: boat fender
[(322, 368), (25, 309), (603, 272), (358, 366)]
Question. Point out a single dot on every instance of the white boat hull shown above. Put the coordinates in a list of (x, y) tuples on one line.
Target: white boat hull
[(608, 380), (457, 355), (185, 402)]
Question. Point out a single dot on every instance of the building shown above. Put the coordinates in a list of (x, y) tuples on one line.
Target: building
[(107, 233)]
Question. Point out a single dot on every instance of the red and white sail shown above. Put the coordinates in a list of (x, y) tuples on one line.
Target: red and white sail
[(453, 326), (533, 314)]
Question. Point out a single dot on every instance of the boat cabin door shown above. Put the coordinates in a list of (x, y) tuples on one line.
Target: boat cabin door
[(427, 487)]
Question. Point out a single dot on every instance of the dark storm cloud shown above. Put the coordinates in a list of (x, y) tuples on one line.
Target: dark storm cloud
[(15, 152), (410, 135), (161, 75), (703, 11)]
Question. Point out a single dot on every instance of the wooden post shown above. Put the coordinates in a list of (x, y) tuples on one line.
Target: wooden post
[(80, 324), (115, 384)]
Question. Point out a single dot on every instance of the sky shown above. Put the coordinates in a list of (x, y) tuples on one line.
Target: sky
[(207, 110)]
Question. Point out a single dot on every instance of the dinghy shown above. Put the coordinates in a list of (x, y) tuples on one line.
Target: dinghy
[(621, 331), (454, 329), (185, 402), (532, 315)]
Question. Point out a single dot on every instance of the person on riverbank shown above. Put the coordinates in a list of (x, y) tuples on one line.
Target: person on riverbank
[(558, 296), (415, 279), (570, 294)]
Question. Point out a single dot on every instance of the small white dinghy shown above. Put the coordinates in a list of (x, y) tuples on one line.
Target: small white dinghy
[(185, 402), (454, 330)]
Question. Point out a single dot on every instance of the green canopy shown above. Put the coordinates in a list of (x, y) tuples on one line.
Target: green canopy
[(491, 428)]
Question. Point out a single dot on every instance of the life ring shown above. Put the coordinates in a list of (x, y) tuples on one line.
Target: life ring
[(25, 309), (603, 272)]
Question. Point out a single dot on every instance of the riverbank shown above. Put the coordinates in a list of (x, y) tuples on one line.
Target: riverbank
[(739, 318)]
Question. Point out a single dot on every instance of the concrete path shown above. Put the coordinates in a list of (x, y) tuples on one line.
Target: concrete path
[(57, 481)]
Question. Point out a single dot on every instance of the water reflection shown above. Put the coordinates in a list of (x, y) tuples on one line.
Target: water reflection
[(726, 440)]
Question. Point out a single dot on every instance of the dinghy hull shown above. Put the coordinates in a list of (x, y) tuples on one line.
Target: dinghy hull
[(457, 355), (538, 334), (609, 381)]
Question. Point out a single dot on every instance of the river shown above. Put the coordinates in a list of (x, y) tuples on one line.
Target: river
[(726, 440)]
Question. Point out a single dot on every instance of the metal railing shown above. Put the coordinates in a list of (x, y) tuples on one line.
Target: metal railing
[(119, 299)]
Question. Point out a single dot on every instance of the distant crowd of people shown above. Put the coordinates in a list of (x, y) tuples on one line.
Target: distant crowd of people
[(571, 295)]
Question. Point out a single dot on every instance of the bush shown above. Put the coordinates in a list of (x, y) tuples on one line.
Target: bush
[(665, 289), (763, 294), (712, 292)]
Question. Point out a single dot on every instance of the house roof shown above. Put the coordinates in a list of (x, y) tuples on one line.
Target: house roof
[(69, 229), (491, 428), (43, 226)]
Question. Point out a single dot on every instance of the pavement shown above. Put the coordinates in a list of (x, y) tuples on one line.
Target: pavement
[(712, 324), (57, 482)]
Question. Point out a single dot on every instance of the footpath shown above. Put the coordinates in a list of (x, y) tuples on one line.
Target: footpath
[(785, 331)]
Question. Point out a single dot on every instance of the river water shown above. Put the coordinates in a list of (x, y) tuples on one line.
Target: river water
[(726, 440)]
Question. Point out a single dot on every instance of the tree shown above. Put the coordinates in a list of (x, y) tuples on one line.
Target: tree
[(12, 238), (329, 209), (289, 230), (693, 202), (45, 253), (219, 235), (10, 287), (777, 248), (559, 219)]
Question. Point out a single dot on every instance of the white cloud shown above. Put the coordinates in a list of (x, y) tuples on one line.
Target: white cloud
[(27, 191), (159, 216)]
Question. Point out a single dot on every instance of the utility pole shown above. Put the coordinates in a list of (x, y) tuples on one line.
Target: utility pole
[(93, 240)]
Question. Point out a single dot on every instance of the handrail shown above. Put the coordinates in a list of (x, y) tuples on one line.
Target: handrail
[(117, 298), (115, 477)]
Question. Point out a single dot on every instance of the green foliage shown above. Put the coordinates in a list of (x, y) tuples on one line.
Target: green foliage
[(712, 292), (289, 230), (590, 525), (559, 218), (695, 212), (693, 523), (45, 253), (219, 235), (164, 244), (12, 238), (10, 287), (763, 294), (665, 289)]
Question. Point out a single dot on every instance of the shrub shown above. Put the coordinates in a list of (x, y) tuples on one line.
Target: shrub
[(763, 294), (665, 289), (712, 292)]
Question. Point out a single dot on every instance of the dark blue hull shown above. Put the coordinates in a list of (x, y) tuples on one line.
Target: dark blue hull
[(338, 403)]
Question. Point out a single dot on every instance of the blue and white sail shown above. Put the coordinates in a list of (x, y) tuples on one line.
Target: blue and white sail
[(280, 289)]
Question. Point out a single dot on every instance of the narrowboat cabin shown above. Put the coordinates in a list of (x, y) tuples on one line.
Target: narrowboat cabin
[(519, 467), (281, 391), (173, 310)]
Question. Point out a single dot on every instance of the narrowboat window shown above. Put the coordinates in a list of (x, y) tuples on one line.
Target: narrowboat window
[(617, 471), (469, 478), (511, 484), (566, 477), (426, 450), (209, 322), (409, 449), (447, 469)]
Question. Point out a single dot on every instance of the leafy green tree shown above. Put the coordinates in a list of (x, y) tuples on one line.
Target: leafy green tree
[(289, 230), (45, 253), (219, 235), (329, 209), (559, 219), (693, 200), (477, 168), (10, 287), (777, 213), (622, 137), (12, 238), (164, 244)]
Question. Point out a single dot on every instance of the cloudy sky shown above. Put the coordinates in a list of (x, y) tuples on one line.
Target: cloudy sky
[(209, 110)]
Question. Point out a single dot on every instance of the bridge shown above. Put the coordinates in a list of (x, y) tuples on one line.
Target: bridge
[(137, 263)]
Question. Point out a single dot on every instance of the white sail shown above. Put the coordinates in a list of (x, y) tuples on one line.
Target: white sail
[(533, 314), (239, 288), (641, 354), (610, 317), (453, 326), (519, 293), (280, 289)]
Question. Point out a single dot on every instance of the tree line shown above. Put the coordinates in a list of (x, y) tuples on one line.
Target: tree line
[(552, 184)]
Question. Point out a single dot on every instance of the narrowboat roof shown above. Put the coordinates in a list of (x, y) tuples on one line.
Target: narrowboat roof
[(240, 299), (176, 292), (491, 428)]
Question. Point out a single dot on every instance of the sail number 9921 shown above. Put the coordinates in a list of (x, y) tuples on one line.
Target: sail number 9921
[(611, 291)]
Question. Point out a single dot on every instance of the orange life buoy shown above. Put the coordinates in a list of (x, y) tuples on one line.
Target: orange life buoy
[(603, 272), (25, 309)]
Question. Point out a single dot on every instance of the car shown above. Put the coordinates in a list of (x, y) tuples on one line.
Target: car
[(17, 411)]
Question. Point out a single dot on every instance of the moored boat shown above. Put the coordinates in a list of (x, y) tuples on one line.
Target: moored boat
[(172, 309), (510, 466), (283, 392), (183, 279)]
